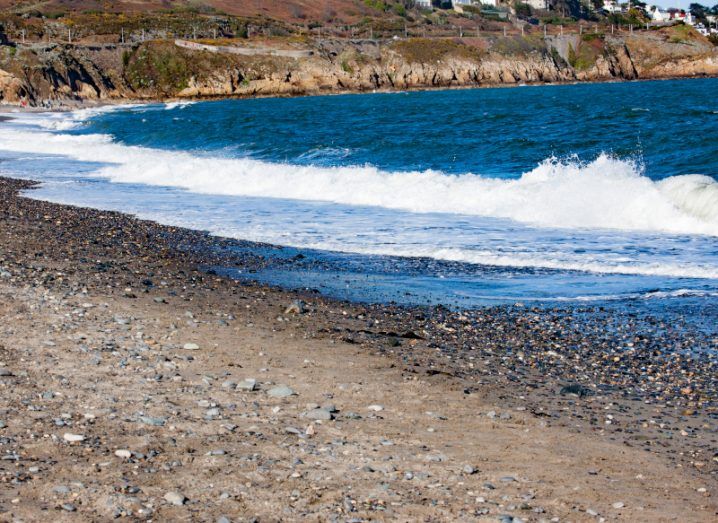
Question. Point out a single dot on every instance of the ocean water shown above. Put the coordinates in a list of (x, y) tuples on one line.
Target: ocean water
[(598, 193)]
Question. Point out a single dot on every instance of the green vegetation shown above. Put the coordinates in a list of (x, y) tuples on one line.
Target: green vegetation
[(588, 51), (590, 37), (346, 67), (681, 34), (519, 45), (158, 67), (425, 50)]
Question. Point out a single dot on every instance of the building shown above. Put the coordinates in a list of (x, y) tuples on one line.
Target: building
[(658, 14), (612, 6), (490, 3), (423, 4), (539, 5)]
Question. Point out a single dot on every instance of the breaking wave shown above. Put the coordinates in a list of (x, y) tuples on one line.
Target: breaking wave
[(606, 193)]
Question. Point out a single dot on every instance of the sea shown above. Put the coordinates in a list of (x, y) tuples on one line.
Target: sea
[(555, 195)]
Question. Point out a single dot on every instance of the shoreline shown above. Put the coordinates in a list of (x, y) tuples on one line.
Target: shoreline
[(97, 294), (66, 106)]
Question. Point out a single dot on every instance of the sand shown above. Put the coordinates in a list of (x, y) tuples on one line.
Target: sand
[(123, 366)]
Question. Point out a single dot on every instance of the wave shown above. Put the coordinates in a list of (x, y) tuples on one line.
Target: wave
[(606, 193)]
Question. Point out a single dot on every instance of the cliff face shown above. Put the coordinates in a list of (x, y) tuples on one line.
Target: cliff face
[(161, 69)]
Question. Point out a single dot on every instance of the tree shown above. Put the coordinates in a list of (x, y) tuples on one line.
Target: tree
[(699, 11)]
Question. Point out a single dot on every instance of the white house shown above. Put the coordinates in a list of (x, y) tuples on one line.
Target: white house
[(490, 3), (423, 4), (461, 3), (659, 15), (540, 5), (612, 6)]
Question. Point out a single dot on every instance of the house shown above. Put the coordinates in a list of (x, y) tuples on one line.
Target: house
[(612, 6), (678, 15), (423, 4), (539, 5), (659, 15), (490, 3)]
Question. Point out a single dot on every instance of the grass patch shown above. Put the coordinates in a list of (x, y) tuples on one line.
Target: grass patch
[(425, 50)]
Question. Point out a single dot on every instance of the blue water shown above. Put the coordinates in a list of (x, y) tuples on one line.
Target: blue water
[(597, 193)]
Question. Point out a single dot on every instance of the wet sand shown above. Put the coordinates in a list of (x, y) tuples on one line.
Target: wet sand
[(138, 383)]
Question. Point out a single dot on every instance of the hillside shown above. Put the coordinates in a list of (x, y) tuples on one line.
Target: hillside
[(191, 51)]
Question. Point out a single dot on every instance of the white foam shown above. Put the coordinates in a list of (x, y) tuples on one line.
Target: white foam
[(606, 193), (178, 105)]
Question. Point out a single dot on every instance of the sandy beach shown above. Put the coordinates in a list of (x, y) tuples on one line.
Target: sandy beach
[(138, 384)]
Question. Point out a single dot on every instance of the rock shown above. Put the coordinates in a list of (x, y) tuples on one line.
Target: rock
[(319, 414), (69, 507), (296, 307), (5, 372), (618, 504), (223, 519), (3, 424), (157, 422), (175, 498), (248, 384), (229, 384), (61, 490), (190, 346), (591, 512), (375, 408), (73, 438), (281, 391), (576, 389), (469, 469), (123, 453)]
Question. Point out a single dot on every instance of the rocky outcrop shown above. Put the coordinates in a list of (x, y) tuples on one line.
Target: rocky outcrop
[(162, 70), (12, 89)]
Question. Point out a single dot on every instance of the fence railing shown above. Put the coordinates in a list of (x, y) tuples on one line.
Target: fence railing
[(76, 36)]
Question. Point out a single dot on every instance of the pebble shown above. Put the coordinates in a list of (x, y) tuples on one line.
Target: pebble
[(190, 346), (281, 391), (2, 424), (123, 453), (248, 384), (469, 469), (296, 307), (157, 422), (175, 498), (375, 408), (73, 438), (618, 504), (591, 512), (5, 372), (69, 507), (319, 414)]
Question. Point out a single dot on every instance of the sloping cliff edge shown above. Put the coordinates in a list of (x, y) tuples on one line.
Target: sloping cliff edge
[(55, 75)]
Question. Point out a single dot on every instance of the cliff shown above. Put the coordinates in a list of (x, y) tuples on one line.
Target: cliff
[(158, 70)]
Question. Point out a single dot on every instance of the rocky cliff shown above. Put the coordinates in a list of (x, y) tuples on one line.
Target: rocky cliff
[(157, 70)]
